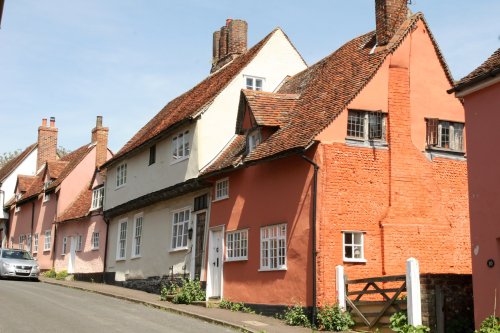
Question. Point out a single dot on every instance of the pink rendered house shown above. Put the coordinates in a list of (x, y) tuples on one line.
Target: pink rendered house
[(480, 92), (57, 214)]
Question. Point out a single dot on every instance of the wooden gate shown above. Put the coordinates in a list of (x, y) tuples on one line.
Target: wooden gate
[(372, 299)]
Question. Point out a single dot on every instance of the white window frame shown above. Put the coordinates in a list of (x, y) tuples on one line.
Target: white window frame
[(64, 246), (181, 146), (269, 235), (28, 242), (353, 245), (35, 243), (121, 175), (47, 240), (79, 243), (221, 189), (121, 240), (46, 197), (95, 240), (22, 239), (253, 84), (137, 239), (97, 198), (176, 223), (237, 245), (254, 138)]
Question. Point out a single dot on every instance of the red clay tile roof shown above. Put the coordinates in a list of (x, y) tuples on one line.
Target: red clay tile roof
[(489, 68), (10, 166), (54, 168), (24, 182), (188, 105), (325, 89), (79, 208)]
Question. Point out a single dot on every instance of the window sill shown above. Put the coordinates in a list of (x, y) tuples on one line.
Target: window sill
[(445, 153), (120, 259), (94, 249), (63, 254), (175, 161), (236, 259), (272, 269), (221, 199), (377, 144), (185, 248), (355, 260), (136, 257), (46, 250), (119, 187)]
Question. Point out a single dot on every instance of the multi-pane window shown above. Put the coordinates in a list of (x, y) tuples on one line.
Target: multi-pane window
[(79, 242), (47, 240), (122, 240), (152, 154), (64, 245), (353, 246), (121, 175), (137, 241), (22, 240), (180, 146), (254, 83), (35, 243), (28, 243), (273, 247), (253, 140), (445, 134), (95, 240), (237, 245), (180, 224), (366, 125), (97, 198), (222, 189)]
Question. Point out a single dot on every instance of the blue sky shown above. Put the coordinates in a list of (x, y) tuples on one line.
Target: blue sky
[(125, 59)]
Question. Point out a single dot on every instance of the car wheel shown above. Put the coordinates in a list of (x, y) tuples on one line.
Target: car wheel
[(35, 280)]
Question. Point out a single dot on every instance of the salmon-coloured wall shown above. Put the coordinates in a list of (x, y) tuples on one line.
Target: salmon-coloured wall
[(262, 195), (87, 260), (483, 158)]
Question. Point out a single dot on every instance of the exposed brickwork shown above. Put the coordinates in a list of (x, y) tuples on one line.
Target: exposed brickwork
[(389, 15), (237, 37), (47, 143), (228, 43), (100, 138)]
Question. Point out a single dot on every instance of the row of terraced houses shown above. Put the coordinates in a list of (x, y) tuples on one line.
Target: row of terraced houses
[(266, 175)]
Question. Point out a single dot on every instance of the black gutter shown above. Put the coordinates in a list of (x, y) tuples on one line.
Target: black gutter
[(105, 250), (313, 221)]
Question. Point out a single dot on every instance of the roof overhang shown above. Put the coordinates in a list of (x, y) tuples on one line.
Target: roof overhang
[(479, 83)]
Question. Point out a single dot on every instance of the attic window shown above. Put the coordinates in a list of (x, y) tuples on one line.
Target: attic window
[(254, 83), (446, 135), (253, 140), (367, 126), (97, 198), (180, 146)]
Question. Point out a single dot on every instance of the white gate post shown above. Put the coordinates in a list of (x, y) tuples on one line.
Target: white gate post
[(340, 280), (414, 304)]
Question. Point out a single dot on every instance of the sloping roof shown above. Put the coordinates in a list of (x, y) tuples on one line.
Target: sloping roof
[(325, 90), (10, 166), (188, 105), (79, 208), (24, 182), (54, 168), (489, 68)]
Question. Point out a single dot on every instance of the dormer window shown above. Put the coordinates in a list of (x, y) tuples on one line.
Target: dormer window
[(46, 197), (253, 140), (254, 83), (97, 198), (180, 146)]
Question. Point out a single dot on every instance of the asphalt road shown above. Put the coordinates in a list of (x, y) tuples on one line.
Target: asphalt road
[(39, 307)]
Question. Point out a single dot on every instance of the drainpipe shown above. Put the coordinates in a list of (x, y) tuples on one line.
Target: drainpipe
[(105, 250), (32, 225), (314, 253)]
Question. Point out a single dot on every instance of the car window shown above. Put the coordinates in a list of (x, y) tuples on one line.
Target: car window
[(16, 255)]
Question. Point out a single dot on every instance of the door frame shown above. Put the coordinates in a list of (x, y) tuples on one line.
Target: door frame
[(211, 231), (72, 254), (193, 240)]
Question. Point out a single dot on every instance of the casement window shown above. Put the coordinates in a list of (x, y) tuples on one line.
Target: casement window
[(64, 245), (97, 198), (47, 240), (353, 246), (237, 245), (79, 242), (46, 197), (254, 83), (95, 240), (122, 240), (121, 175), (273, 247), (137, 240), (22, 240), (180, 146), (28, 243), (180, 225), (222, 189), (152, 154), (253, 140), (366, 125), (445, 134), (35, 243)]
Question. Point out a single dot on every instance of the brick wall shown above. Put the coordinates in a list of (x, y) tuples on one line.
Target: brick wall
[(389, 15), (47, 143), (100, 137)]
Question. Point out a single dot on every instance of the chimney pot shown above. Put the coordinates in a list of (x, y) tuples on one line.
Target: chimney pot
[(228, 21), (98, 122), (44, 122), (52, 122)]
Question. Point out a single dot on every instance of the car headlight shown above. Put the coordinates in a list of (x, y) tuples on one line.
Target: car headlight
[(36, 267), (7, 265)]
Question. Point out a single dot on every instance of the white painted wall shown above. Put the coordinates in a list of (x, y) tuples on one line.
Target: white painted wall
[(27, 167)]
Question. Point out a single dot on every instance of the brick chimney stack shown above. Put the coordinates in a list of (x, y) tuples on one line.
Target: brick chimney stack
[(389, 15), (229, 42), (47, 142), (100, 138)]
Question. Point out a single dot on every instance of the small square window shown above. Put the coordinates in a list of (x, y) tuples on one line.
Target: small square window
[(222, 189), (152, 154), (366, 125), (254, 83), (353, 246)]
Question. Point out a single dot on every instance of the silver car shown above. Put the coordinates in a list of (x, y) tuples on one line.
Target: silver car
[(18, 263)]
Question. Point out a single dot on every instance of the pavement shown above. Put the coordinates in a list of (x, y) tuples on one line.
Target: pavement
[(244, 322)]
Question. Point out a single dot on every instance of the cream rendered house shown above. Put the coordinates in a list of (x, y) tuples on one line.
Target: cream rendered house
[(156, 207)]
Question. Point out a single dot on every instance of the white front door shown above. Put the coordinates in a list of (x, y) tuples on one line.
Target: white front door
[(215, 263), (72, 256)]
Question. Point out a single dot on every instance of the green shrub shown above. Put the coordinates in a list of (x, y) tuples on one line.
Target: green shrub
[(50, 274), (235, 307), (61, 275), (333, 318), (295, 316), (189, 292), (490, 325), (399, 323), (167, 290)]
